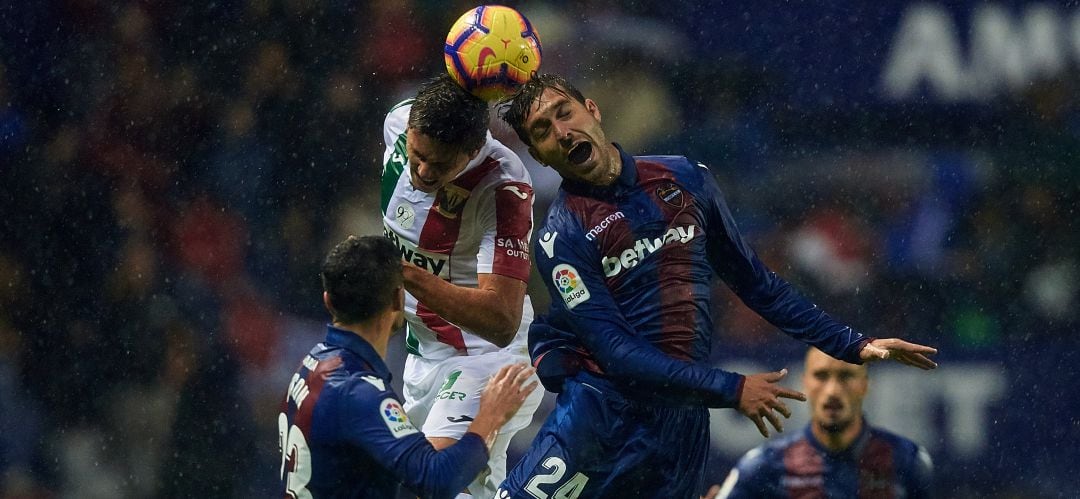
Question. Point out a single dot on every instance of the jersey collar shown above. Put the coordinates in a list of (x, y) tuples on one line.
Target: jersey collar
[(358, 346), (626, 181), (852, 450)]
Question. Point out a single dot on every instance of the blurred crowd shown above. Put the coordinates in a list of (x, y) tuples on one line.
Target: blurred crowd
[(173, 173)]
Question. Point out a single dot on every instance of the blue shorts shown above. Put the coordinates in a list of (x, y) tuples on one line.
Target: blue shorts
[(596, 443)]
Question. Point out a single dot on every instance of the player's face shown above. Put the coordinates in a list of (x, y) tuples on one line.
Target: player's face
[(566, 135), (432, 163), (835, 390)]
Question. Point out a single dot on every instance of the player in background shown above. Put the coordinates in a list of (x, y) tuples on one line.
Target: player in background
[(838, 454), (343, 432), (458, 204), (628, 253)]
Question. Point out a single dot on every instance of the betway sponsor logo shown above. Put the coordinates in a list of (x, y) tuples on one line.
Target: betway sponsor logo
[(431, 262), (631, 257), (603, 225)]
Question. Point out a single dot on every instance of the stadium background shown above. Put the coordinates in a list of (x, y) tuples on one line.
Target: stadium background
[(172, 173)]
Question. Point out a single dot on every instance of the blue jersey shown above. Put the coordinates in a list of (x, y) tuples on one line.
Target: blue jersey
[(629, 268), (877, 464), (343, 432)]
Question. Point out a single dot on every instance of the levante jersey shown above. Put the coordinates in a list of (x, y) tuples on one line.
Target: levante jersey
[(629, 269), (878, 464), (344, 434), (480, 222)]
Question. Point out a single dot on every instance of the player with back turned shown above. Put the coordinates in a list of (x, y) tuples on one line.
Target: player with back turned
[(343, 432), (628, 252)]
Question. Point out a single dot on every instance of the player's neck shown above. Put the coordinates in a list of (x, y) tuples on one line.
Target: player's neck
[(839, 440), (614, 168), (376, 331)]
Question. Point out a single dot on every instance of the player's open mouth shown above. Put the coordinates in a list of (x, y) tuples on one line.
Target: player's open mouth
[(580, 153)]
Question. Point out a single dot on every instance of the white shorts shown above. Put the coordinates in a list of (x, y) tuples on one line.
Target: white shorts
[(442, 397)]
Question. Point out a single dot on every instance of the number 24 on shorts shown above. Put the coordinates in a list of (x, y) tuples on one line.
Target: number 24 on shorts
[(571, 489)]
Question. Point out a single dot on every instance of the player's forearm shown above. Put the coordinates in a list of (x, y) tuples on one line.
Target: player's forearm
[(631, 359), (443, 473), (487, 428), (483, 312)]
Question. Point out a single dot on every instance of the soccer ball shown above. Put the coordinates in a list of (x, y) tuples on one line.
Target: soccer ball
[(491, 50)]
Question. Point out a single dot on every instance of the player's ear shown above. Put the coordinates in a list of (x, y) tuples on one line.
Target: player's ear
[(326, 302), (399, 300), (592, 108)]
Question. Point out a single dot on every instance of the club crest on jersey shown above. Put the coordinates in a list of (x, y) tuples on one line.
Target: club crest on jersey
[(670, 194), (450, 200), (395, 418), (570, 285)]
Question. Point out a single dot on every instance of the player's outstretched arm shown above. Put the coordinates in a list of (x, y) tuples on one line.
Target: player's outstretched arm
[(504, 394), (760, 401), (904, 352), (492, 310)]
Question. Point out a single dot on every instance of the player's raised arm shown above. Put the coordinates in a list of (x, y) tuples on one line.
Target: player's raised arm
[(775, 300), (904, 352)]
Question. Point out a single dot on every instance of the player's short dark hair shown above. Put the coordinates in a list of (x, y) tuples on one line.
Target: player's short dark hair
[(449, 114), (361, 274), (520, 104)]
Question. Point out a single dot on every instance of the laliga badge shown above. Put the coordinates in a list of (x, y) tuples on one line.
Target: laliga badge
[(570, 285), (395, 418)]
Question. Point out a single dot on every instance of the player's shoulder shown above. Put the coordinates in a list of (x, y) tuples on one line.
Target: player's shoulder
[(895, 441), (686, 172), (397, 118), (563, 212), (362, 386), (775, 448), (369, 383), (766, 455), (679, 165)]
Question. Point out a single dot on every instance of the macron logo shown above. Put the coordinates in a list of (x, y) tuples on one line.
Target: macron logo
[(375, 381), (603, 225), (631, 257), (547, 243)]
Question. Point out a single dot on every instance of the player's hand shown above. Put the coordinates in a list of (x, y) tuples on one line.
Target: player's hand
[(712, 493), (506, 391), (760, 400), (899, 350)]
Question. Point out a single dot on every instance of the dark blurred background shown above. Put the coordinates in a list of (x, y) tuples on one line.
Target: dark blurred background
[(171, 174)]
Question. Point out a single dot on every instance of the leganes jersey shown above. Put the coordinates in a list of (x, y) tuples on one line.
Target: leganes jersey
[(479, 223)]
